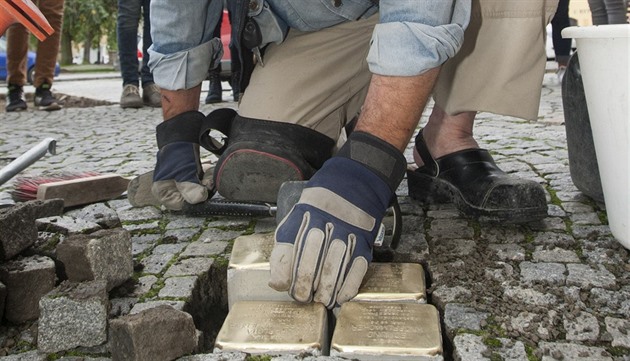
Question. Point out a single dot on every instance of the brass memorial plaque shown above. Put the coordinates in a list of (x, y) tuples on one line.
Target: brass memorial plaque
[(387, 331), (274, 328), (393, 282), (248, 270), (252, 251)]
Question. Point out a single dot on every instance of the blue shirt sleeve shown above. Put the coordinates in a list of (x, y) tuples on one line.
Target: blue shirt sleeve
[(414, 36)]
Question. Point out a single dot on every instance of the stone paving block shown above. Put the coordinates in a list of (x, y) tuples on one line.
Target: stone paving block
[(180, 235), (47, 208), (387, 331), (143, 214), (26, 356), (73, 315), (584, 276), (66, 225), (189, 267), (585, 218), (103, 255), (619, 329), (157, 334), (582, 327), (18, 230), (224, 356), (508, 251), (176, 222), (139, 307), (27, 279), (553, 351), (248, 270), (470, 347), (274, 328), (458, 316), (215, 234), (554, 254), (144, 285), (443, 295), (156, 263), (530, 296), (205, 249), (178, 287), (98, 213), (552, 273), (393, 282)]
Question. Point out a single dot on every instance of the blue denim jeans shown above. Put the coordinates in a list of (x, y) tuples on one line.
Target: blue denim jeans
[(413, 35), (129, 12)]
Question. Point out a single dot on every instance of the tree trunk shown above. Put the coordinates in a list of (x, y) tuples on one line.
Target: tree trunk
[(66, 48), (87, 46)]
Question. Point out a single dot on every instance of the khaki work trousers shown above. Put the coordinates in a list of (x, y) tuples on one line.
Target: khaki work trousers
[(319, 79), (47, 50)]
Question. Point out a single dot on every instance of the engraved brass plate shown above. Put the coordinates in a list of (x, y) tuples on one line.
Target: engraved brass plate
[(274, 328), (252, 251), (393, 282), (387, 329)]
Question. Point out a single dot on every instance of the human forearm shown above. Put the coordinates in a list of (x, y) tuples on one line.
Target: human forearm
[(394, 105)]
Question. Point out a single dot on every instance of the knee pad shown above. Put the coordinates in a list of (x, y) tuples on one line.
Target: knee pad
[(259, 155)]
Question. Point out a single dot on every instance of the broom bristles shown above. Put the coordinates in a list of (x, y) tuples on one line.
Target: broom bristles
[(26, 187)]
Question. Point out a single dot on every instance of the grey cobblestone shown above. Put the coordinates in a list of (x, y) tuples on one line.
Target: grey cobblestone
[(551, 290)]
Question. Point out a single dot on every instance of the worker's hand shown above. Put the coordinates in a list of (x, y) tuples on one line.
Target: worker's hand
[(178, 175), (324, 245)]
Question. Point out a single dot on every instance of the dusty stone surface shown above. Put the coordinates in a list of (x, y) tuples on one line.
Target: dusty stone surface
[(73, 315), (26, 279), (18, 230), (160, 333), (103, 255)]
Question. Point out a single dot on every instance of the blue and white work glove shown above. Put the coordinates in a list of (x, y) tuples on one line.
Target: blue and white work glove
[(324, 245), (178, 176)]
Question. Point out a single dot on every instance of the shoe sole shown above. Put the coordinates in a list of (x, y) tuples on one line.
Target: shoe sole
[(430, 190), (18, 109), (250, 175), (49, 108)]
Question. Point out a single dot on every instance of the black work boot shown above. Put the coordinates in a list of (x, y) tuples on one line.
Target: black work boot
[(15, 97), (215, 90), (44, 99), (236, 86)]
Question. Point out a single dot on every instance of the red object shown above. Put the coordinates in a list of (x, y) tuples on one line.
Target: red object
[(226, 32), (26, 13), (26, 187)]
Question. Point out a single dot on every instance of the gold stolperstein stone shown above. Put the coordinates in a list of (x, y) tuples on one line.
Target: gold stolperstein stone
[(387, 331), (248, 270), (393, 282), (275, 328)]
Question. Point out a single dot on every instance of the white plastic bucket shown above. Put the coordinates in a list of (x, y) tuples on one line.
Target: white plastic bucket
[(605, 62)]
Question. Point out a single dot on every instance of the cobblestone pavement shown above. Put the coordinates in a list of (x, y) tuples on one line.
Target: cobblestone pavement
[(558, 289)]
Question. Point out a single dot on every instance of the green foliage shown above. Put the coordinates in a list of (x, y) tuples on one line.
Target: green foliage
[(89, 20)]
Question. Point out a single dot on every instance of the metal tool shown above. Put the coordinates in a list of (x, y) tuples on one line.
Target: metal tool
[(25, 160), (288, 195)]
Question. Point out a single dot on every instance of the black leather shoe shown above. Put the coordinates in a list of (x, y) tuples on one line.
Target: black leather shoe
[(471, 179)]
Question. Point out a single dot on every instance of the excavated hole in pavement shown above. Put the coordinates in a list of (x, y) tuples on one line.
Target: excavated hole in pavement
[(67, 101)]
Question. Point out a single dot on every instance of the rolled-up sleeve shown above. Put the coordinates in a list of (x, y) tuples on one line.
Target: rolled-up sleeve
[(414, 36), (183, 46)]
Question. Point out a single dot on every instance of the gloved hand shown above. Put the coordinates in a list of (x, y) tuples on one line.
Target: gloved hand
[(324, 245), (178, 176)]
